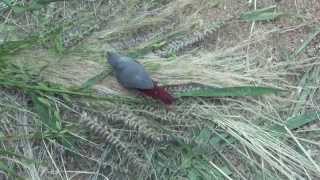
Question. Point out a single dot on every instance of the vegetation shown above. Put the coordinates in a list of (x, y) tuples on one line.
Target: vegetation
[(245, 75)]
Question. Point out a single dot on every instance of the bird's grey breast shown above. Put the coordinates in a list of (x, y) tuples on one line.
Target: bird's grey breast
[(133, 75)]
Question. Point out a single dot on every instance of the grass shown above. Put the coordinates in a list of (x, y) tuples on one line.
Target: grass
[(246, 107)]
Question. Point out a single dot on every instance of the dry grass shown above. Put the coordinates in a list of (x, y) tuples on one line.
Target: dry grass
[(55, 136)]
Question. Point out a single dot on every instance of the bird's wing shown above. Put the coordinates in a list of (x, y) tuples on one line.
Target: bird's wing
[(134, 76)]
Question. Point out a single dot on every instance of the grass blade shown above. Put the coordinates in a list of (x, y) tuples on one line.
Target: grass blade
[(10, 47), (298, 121), (62, 91), (301, 120), (264, 14), (8, 171), (230, 91), (94, 80), (47, 113), (307, 42)]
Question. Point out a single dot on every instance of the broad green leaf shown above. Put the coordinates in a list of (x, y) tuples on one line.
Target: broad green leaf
[(298, 121), (42, 108), (56, 119), (44, 2), (264, 14), (48, 114), (230, 91)]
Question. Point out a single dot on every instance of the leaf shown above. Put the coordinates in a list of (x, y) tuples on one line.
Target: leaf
[(49, 115), (45, 2), (10, 47), (36, 89), (204, 136), (46, 113), (57, 120), (58, 41), (158, 45), (301, 120), (230, 91), (264, 14), (307, 42), (297, 121), (186, 161), (94, 80)]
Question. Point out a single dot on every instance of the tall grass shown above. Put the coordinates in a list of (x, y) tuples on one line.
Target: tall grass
[(64, 116)]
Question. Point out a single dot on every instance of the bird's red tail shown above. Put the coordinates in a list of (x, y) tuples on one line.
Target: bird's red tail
[(159, 93)]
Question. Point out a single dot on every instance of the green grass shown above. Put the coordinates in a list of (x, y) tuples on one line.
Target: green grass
[(264, 14), (243, 110)]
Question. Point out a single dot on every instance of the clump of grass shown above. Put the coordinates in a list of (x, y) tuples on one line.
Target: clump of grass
[(121, 137)]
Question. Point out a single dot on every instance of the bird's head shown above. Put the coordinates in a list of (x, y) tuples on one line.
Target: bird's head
[(113, 58)]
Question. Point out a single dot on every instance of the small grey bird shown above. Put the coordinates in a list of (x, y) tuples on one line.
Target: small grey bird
[(132, 75)]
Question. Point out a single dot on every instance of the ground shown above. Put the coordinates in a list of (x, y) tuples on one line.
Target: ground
[(63, 115)]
